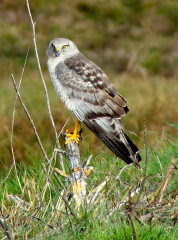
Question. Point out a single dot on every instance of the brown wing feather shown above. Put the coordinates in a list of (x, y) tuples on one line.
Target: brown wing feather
[(102, 93), (98, 105), (111, 133)]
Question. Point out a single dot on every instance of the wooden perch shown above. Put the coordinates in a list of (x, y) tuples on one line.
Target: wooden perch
[(78, 172), (77, 176)]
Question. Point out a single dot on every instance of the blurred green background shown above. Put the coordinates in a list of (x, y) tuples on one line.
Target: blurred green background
[(134, 41)]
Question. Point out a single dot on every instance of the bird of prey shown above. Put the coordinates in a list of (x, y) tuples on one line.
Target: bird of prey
[(86, 90)]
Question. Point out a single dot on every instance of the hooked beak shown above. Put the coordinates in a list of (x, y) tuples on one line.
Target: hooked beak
[(57, 52)]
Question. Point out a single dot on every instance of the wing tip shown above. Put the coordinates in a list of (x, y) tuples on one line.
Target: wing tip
[(126, 109), (138, 159)]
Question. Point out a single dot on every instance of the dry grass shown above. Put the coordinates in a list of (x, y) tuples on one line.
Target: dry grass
[(35, 209), (140, 59), (37, 205), (150, 98)]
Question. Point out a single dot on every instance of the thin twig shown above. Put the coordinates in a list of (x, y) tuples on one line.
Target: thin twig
[(44, 84), (146, 164), (12, 128), (54, 187), (34, 129), (133, 227), (87, 162), (146, 150), (39, 219), (5, 227), (31, 120), (13, 119), (97, 190)]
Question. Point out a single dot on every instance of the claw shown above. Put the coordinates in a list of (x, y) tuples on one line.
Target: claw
[(73, 134)]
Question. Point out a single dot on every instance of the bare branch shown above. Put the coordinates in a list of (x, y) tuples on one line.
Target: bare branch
[(65, 201), (12, 128), (34, 129), (44, 84), (133, 227), (31, 120), (146, 150), (5, 226), (146, 163), (13, 119), (24, 205), (98, 189)]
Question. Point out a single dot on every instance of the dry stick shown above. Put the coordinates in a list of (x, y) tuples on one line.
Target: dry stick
[(39, 219), (6, 230), (124, 200), (170, 170), (146, 150), (5, 227), (39, 141), (54, 187), (12, 128), (34, 128), (139, 188), (133, 227), (146, 164), (23, 205), (44, 84), (97, 190), (31, 121), (158, 195), (13, 119), (77, 177)]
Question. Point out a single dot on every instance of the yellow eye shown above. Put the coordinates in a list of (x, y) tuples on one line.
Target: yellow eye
[(65, 47)]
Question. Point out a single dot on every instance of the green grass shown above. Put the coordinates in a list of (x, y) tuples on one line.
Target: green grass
[(44, 220), (135, 43)]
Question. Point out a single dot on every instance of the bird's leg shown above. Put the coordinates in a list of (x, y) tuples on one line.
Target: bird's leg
[(73, 134)]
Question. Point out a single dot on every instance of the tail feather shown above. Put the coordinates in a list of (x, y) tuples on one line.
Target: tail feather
[(111, 133)]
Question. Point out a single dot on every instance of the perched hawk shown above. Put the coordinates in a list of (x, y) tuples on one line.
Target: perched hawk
[(87, 92)]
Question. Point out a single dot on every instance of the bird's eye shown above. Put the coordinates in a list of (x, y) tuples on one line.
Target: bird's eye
[(65, 47), (53, 47)]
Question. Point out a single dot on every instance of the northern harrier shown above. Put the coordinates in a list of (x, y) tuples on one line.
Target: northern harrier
[(87, 92)]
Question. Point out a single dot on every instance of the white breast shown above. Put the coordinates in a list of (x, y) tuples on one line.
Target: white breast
[(61, 91)]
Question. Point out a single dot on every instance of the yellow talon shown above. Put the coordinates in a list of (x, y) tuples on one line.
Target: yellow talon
[(73, 134), (72, 137)]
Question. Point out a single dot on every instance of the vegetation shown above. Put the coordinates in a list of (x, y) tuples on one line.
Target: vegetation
[(134, 41), (32, 206)]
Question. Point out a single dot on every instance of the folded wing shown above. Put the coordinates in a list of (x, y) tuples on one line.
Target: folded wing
[(97, 103)]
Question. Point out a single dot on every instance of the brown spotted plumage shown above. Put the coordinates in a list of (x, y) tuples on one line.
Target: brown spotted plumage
[(87, 92)]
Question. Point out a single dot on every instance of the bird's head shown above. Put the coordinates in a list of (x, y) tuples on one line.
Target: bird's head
[(61, 47)]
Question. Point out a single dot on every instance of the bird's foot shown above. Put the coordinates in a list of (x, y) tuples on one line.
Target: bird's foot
[(72, 135)]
